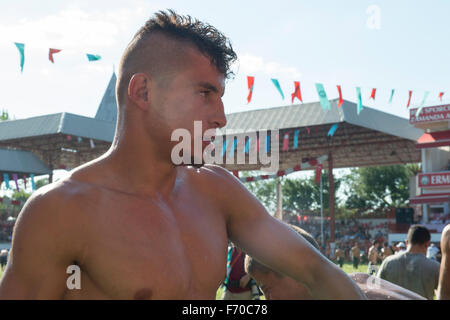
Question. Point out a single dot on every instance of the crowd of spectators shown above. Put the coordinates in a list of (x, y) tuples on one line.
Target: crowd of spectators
[(348, 232), (7, 222)]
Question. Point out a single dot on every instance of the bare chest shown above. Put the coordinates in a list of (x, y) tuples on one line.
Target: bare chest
[(145, 249)]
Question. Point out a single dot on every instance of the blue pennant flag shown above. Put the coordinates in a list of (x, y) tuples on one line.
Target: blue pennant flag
[(247, 145), (267, 143), (224, 148), (360, 106), (277, 85), (332, 130), (296, 138), (6, 179), (33, 185)]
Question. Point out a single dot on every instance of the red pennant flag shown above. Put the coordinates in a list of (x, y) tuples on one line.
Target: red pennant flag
[(257, 145), (409, 99), (281, 173), (372, 95), (341, 101), (250, 81), (236, 173), (299, 219), (318, 173), (51, 52), (286, 142), (297, 92), (440, 95), (307, 129)]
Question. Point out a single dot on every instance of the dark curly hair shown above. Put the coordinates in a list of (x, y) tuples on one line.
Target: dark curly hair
[(207, 39), (210, 41)]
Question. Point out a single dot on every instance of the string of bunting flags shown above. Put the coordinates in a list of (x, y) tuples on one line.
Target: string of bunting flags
[(51, 51), (5, 177), (251, 85), (249, 143), (318, 163), (325, 103)]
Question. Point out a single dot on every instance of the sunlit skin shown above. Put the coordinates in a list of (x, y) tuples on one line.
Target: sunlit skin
[(140, 227), (443, 291)]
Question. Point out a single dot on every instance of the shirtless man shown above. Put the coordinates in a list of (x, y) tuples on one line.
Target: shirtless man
[(443, 291), (170, 224), (373, 257)]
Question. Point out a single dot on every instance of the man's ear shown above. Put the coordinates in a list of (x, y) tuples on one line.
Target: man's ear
[(139, 90)]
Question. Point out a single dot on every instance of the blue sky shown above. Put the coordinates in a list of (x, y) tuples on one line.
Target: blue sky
[(308, 41)]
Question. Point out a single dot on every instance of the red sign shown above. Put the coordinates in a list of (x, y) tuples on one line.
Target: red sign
[(438, 179), (430, 114)]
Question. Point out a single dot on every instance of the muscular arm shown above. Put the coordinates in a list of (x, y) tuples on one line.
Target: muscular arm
[(276, 245), (39, 255), (444, 274)]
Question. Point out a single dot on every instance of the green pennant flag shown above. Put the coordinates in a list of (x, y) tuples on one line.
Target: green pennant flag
[(93, 57), (324, 102), (392, 96), (360, 106), (425, 96), (277, 85), (21, 48)]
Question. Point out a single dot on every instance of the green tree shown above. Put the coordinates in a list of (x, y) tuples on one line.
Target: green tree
[(4, 116), (21, 195), (42, 182), (265, 191), (378, 187), (297, 195), (325, 191)]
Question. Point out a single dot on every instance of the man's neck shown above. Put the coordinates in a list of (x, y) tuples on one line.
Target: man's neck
[(141, 167), (416, 249)]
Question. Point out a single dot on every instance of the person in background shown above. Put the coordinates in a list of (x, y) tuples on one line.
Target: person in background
[(236, 284), (356, 252), (3, 258), (401, 247), (339, 256), (411, 269), (374, 255), (386, 251), (432, 252)]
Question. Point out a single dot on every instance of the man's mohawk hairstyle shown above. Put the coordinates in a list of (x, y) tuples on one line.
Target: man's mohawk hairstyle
[(205, 37)]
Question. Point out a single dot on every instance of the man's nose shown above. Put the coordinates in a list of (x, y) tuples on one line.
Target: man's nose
[(220, 120)]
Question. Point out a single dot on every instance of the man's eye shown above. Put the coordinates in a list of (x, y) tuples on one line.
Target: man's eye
[(204, 93)]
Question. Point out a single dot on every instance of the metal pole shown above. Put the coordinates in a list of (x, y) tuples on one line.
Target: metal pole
[(321, 212)]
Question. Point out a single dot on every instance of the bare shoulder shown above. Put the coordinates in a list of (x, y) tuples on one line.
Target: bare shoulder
[(219, 181), (446, 232)]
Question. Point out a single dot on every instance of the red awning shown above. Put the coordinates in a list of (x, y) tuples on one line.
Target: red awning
[(430, 198), (434, 139)]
